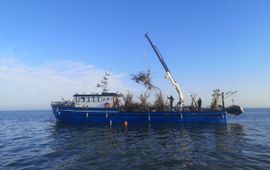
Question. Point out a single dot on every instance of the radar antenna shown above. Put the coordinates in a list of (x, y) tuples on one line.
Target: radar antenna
[(104, 83)]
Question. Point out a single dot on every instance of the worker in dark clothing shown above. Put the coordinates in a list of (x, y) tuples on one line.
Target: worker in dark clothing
[(171, 101), (199, 103)]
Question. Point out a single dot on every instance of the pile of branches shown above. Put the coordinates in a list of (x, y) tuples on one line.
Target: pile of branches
[(129, 103), (144, 106), (159, 105), (144, 78)]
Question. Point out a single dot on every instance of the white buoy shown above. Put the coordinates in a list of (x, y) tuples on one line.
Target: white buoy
[(181, 116), (87, 114), (110, 123), (149, 117), (59, 113)]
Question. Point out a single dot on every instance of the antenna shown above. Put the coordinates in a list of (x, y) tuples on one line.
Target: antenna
[(104, 83)]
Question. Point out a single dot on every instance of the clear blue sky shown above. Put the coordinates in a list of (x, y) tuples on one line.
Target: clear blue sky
[(206, 43)]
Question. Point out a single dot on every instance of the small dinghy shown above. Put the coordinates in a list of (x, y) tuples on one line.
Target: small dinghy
[(234, 109)]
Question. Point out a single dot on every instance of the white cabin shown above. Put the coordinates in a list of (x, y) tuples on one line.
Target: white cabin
[(103, 100)]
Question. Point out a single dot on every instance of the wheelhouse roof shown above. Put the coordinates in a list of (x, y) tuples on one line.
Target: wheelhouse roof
[(97, 95)]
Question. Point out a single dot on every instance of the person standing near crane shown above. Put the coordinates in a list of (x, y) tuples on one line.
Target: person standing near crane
[(199, 103)]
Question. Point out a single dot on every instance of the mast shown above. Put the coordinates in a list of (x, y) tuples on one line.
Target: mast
[(104, 83), (176, 85)]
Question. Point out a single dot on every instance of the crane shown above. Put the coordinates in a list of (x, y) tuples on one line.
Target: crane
[(168, 73)]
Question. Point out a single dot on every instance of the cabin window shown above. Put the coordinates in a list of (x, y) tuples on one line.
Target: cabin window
[(102, 99), (77, 99), (94, 100), (88, 99), (83, 99), (98, 98), (108, 98)]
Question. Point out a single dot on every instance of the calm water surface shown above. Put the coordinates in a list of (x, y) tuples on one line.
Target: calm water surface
[(33, 140)]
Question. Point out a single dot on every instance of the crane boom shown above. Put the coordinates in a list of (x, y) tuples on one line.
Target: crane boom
[(176, 85)]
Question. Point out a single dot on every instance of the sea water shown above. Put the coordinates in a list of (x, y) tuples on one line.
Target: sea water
[(34, 140)]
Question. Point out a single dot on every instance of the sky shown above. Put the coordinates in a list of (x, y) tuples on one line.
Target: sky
[(51, 49)]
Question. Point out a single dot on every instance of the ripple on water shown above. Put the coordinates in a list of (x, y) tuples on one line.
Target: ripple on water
[(28, 140)]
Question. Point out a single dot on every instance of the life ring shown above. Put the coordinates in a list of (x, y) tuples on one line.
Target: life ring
[(107, 105)]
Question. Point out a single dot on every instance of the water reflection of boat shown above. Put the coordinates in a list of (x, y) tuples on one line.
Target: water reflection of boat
[(191, 146)]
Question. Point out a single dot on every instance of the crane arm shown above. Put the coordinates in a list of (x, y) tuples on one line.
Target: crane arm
[(176, 85)]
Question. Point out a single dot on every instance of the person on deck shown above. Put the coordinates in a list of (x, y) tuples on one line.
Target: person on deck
[(171, 101), (199, 103)]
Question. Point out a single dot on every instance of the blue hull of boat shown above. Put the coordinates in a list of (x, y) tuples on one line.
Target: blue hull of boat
[(90, 115)]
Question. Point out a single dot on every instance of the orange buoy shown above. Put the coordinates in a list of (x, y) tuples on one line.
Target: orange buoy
[(125, 123)]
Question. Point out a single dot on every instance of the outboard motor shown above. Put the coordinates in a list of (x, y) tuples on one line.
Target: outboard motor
[(234, 109)]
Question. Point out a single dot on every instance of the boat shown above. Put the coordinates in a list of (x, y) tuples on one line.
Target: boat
[(234, 109), (106, 107)]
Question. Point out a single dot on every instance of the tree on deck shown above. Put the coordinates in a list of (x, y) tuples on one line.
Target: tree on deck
[(160, 105), (129, 103), (143, 104)]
